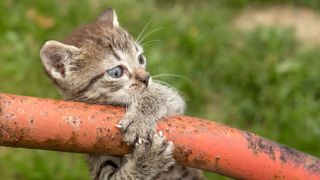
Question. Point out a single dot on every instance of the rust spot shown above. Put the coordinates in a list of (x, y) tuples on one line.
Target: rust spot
[(201, 159), (278, 175), (72, 140), (54, 142), (292, 155), (100, 144), (60, 142), (216, 163), (6, 103), (11, 136), (99, 130), (74, 121), (31, 120), (103, 133), (298, 158), (183, 153), (44, 114), (314, 166), (21, 111), (261, 145), (267, 148), (8, 116), (178, 118), (283, 159), (287, 155)]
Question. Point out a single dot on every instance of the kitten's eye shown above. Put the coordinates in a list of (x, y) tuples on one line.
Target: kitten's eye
[(115, 72), (141, 59)]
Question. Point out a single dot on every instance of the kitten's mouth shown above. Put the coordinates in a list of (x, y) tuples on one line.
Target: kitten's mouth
[(138, 87)]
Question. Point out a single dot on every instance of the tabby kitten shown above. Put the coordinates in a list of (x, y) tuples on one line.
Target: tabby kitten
[(100, 63)]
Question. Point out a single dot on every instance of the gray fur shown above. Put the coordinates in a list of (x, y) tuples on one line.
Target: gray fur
[(78, 67)]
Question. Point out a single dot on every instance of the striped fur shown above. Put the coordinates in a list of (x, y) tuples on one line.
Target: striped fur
[(79, 65)]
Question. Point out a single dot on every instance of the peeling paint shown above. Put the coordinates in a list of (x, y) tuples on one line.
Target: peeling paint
[(288, 156), (261, 145), (74, 121)]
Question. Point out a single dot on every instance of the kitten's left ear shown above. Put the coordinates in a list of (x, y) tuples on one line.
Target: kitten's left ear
[(109, 16), (55, 57)]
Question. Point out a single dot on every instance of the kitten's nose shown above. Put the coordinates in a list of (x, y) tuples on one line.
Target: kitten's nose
[(143, 76), (146, 80)]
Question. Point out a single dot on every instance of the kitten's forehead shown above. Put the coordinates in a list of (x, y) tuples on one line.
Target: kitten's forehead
[(102, 36), (105, 47)]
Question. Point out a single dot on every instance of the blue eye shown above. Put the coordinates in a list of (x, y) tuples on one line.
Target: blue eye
[(115, 72)]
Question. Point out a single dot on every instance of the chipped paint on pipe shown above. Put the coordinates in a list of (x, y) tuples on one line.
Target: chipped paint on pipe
[(28, 122)]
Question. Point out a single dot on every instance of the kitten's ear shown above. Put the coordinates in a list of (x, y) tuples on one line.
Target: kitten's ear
[(109, 16), (55, 56)]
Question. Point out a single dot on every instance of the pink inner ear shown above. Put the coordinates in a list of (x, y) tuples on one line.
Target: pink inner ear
[(107, 17), (53, 57), (56, 62)]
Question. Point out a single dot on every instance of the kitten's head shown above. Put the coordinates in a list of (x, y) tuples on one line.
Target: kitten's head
[(98, 63)]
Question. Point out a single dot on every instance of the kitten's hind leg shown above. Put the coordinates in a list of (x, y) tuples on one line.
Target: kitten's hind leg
[(148, 159)]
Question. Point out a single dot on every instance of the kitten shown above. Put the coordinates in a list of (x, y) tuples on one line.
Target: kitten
[(100, 63)]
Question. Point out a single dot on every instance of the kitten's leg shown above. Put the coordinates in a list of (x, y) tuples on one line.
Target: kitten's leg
[(147, 160), (153, 104), (136, 126)]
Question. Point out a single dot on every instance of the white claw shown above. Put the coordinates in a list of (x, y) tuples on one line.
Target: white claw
[(160, 133), (140, 141), (118, 125)]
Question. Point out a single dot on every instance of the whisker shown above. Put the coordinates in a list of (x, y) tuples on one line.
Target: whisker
[(169, 85), (148, 34), (150, 42), (171, 75), (144, 28)]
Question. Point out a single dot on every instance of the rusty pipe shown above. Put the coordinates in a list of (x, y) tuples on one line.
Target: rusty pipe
[(28, 122)]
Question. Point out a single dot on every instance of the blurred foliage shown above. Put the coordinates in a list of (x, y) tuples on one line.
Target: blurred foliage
[(262, 81)]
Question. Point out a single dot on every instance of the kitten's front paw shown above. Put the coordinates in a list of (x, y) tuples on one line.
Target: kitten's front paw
[(156, 154), (134, 130)]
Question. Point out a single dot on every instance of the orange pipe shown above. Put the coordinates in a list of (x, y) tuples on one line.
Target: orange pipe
[(28, 122)]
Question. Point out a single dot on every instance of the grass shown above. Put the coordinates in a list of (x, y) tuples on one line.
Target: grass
[(262, 81)]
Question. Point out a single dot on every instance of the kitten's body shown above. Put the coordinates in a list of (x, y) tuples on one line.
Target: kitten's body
[(86, 68)]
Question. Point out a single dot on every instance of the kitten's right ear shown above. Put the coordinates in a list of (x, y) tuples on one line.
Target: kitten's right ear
[(110, 17), (55, 57)]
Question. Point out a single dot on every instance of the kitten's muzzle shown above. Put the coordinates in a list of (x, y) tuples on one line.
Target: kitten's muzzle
[(143, 77), (145, 80)]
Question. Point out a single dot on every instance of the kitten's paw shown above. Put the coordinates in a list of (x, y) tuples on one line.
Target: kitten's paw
[(134, 131), (157, 153)]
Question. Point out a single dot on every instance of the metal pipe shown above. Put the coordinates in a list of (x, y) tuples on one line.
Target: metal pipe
[(28, 122)]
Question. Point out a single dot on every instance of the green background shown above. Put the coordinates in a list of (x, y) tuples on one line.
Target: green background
[(264, 81)]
